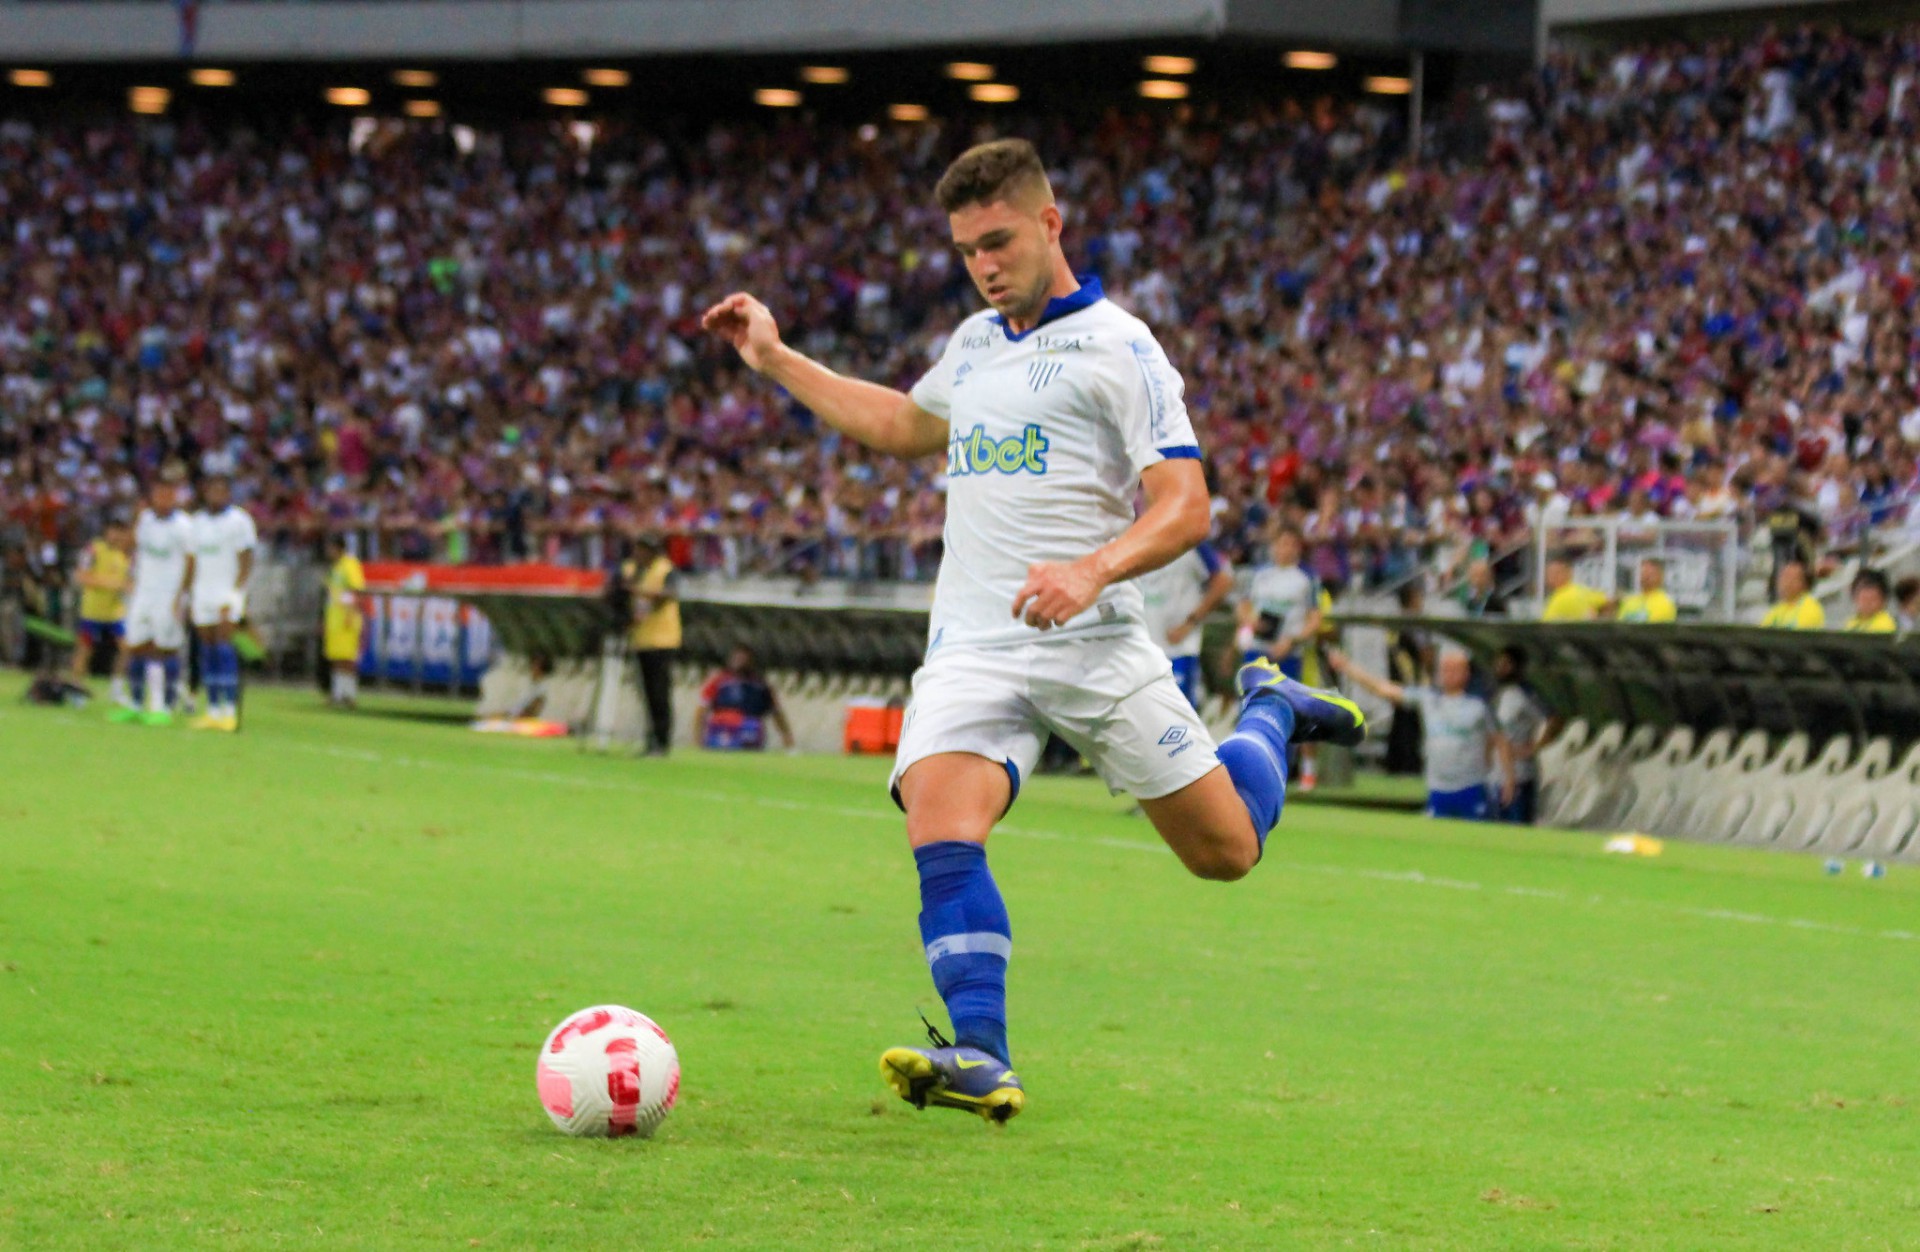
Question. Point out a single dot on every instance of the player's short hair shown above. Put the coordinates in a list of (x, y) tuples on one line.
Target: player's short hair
[(986, 172)]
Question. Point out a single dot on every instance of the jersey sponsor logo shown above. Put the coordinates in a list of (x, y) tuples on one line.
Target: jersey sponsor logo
[(1147, 356), (1058, 343), (977, 452), (970, 342), (1040, 373)]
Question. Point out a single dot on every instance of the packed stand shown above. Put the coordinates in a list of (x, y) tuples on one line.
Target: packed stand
[(1675, 282)]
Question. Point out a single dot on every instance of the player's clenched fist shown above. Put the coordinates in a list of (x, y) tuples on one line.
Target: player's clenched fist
[(1055, 594), (748, 325)]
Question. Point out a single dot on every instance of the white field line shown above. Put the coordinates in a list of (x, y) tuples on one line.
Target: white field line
[(889, 815)]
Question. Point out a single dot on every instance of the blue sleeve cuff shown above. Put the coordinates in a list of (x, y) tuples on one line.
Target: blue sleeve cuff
[(1209, 558), (1180, 452)]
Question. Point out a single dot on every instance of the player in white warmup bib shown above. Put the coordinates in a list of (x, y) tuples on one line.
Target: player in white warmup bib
[(1055, 409), (223, 543), (1180, 596), (162, 572)]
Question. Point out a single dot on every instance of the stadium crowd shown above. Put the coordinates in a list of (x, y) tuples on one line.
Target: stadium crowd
[(1673, 281)]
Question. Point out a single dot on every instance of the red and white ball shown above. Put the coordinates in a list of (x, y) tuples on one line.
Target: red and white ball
[(608, 1071)]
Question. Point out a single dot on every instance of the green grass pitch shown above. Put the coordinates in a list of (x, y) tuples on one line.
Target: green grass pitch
[(285, 989)]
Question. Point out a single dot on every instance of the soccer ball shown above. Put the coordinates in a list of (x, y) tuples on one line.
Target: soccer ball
[(608, 1071)]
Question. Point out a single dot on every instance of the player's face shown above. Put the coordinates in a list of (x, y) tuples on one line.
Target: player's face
[(164, 498), (1453, 673), (1286, 551), (217, 493), (1008, 251), (1652, 577), (1867, 600)]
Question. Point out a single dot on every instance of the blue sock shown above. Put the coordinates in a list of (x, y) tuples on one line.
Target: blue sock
[(137, 681), (963, 922), (171, 665), (223, 675), (1255, 755)]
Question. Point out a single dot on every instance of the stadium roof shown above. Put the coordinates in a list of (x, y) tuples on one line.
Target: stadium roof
[(128, 30)]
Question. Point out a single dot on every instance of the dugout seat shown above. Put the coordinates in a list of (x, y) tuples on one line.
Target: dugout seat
[(1581, 792), (1554, 761), (1691, 787), (1613, 778), (1654, 780), (1892, 832), (1855, 799), (1598, 795), (1776, 793), (1816, 796), (1722, 798)]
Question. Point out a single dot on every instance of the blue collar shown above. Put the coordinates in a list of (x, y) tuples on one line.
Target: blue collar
[(1090, 292)]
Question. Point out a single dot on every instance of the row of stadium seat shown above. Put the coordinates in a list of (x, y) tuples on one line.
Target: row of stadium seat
[(1746, 789)]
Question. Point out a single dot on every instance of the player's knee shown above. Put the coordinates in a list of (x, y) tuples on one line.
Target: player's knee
[(1225, 860)]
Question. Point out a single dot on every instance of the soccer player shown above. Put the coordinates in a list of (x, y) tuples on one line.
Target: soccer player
[(1281, 615), (162, 572), (1055, 409), (105, 569), (1280, 621), (1463, 741), (1179, 596), (223, 543), (344, 621), (1527, 724)]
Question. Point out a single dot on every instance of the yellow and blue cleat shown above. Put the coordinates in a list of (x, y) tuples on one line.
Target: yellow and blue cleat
[(1318, 715), (954, 1078)]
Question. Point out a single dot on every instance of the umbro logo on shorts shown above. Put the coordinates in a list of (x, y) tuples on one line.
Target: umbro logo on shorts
[(1174, 735)]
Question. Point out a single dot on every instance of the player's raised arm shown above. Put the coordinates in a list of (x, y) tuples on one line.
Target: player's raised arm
[(879, 417)]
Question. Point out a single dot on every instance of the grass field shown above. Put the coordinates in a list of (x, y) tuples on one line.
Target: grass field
[(285, 990)]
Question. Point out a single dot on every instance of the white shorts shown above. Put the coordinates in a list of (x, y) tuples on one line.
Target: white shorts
[(1113, 698), (208, 604), (154, 621)]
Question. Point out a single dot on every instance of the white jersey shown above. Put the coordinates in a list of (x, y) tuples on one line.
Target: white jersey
[(218, 540), (161, 546), (1282, 598), (1173, 592), (1459, 729), (1048, 434)]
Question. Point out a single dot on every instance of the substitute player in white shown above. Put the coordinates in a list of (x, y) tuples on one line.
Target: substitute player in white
[(1180, 596), (162, 572), (223, 543), (1054, 410)]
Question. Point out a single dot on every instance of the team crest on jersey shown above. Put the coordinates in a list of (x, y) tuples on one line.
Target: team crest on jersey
[(1040, 373)]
